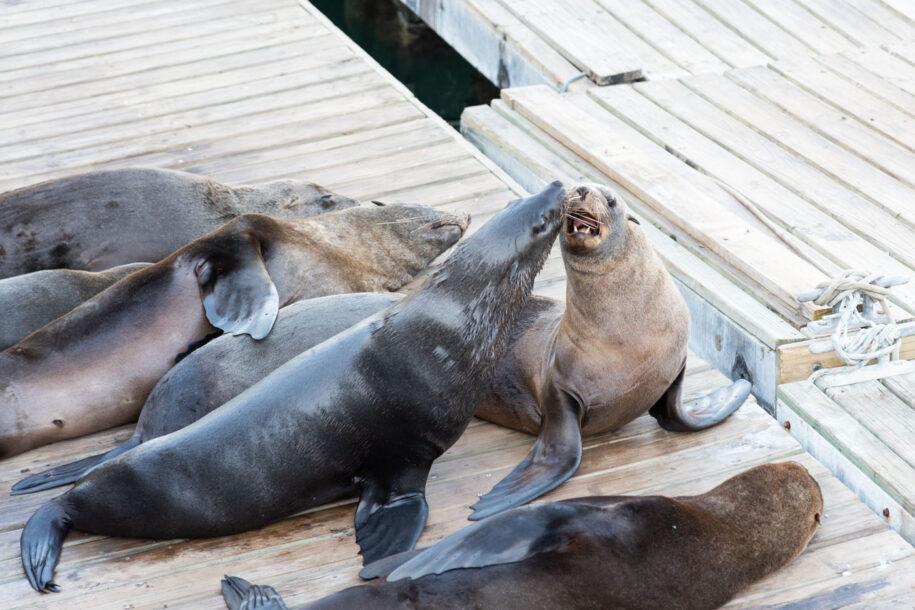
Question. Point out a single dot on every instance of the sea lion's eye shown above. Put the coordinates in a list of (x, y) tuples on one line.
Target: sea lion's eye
[(611, 203)]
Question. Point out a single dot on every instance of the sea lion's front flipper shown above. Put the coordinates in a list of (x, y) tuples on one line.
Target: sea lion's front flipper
[(238, 593), (554, 457), (505, 538), (701, 413), (238, 295), (391, 516)]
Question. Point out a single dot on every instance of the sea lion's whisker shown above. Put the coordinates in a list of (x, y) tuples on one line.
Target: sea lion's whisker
[(589, 222)]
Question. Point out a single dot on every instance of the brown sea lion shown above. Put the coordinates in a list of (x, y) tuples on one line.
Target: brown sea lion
[(365, 412), (93, 368), (622, 552), (31, 300), (111, 217), (615, 349), (220, 370)]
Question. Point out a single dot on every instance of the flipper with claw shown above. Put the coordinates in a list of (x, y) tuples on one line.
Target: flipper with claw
[(391, 517), (554, 458), (701, 413), (41, 542), (239, 594), (68, 473)]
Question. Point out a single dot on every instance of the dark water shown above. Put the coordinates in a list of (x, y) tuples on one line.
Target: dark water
[(413, 53)]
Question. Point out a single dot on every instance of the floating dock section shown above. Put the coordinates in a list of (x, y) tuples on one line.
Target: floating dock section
[(248, 92)]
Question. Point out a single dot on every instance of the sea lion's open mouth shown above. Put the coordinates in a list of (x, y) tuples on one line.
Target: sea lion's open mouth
[(582, 222)]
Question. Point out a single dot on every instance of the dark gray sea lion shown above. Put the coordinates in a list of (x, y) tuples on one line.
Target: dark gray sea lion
[(220, 370), (625, 552), (365, 413), (30, 301), (93, 368), (615, 349), (98, 220)]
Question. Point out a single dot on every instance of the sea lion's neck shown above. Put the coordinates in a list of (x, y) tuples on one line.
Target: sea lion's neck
[(612, 298)]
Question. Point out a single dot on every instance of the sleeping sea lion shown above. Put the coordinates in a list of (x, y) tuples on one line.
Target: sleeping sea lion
[(365, 412), (220, 370), (31, 300), (622, 552), (615, 349), (111, 217), (93, 368)]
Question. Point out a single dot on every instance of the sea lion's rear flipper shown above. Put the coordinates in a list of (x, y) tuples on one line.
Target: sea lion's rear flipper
[(505, 538), (238, 295), (239, 593), (383, 567), (69, 473), (701, 413), (391, 516), (554, 457), (41, 541)]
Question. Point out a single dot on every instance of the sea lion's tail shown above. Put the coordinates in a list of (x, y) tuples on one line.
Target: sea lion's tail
[(68, 473), (41, 541), (239, 593)]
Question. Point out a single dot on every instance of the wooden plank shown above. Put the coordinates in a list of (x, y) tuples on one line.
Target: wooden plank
[(856, 136), (666, 184), (859, 103), (728, 45), (496, 42), (843, 166), (853, 24), (855, 443), (666, 37), (762, 31), (841, 247), (186, 26), (889, 67), (796, 362), (903, 7), (895, 424), (591, 39), (804, 25), (792, 172), (869, 80)]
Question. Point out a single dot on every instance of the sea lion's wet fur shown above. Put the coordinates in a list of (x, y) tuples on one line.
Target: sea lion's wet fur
[(368, 411), (111, 217), (32, 300), (626, 552), (93, 368)]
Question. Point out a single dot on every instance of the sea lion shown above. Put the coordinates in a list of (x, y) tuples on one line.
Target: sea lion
[(365, 412), (632, 552), (111, 217), (31, 300), (220, 370), (93, 368), (615, 349)]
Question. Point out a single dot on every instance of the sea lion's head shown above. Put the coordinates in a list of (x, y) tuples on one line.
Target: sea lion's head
[(595, 222), (777, 509), (423, 230), (292, 199)]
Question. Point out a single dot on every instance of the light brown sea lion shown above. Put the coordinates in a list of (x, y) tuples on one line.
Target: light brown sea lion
[(111, 217), (31, 300), (621, 552), (363, 413), (615, 349), (93, 368)]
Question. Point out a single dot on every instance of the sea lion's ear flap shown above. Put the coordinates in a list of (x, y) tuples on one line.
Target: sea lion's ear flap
[(634, 219), (238, 295)]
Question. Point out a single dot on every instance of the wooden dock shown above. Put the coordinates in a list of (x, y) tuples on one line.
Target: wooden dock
[(527, 42), (247, 92), (818, 150)]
